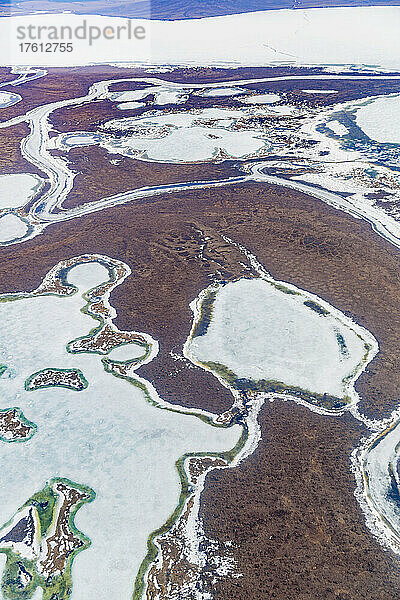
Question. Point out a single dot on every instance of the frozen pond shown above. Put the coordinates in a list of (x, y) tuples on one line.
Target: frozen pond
[(261, 99), (380, 119), (11, 228), (107, 437), (8, 99), (337, 128), (319, 91), (16, 190), (130, 105), (382, 483), (177, 137), (222, 91), (259, 332)]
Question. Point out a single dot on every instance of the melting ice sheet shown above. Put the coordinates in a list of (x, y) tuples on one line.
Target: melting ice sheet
[(260, 332), (107, 437)]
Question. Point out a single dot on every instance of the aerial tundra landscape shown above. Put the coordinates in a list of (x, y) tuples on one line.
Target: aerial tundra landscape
[(199, 300)]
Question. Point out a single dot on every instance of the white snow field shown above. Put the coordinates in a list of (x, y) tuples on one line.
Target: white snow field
[(16, 190), (380, 119), (261, 332), (108, 437), (222, 91), (130, 105), (353, 35)]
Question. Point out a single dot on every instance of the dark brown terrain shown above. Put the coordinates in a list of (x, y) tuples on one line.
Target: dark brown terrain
[(11, 160), (121, 174), (292, 515)]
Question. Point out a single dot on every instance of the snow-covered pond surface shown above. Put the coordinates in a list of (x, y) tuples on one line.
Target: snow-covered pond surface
[(8, 99), (222, 91), (108, 437), (337, 127), (260, 332), (380, 119), (11, 227), (130, 105), (17, 190), (261, 99), (128, 95), (382, 478), (177, 137)]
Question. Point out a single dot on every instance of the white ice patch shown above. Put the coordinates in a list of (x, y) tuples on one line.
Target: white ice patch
[(261, 99), (170, 96), (259, 332), (127, 352), (380, 119), (85, 277), (130, 105), (319, 91), (285, 110), (222, 91), (74, 140), (11, 228), (337, 128), (130, 95), (17, 190), (8, 99)]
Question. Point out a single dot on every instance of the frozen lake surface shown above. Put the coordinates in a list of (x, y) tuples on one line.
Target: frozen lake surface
[(16, 190), (380, 119), (11, 227), (260, 332), (108, 437), (8, 99), (261, 99)]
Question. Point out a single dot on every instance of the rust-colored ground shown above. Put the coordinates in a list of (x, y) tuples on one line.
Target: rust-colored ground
[(11, 160), (87, 117), (59, 84), (121, 174), (291, 512)]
